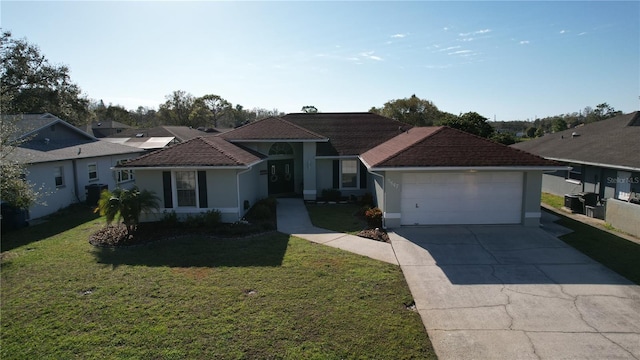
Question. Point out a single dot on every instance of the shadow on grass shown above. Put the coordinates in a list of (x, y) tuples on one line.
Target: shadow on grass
[(199, 251), (61, 221)]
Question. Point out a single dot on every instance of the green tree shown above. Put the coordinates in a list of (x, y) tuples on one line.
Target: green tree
[(471, 122), (209, 110), (558, 124), (412, 110), (112, 113), (176, 109), (14, 188), (126, 205), (30, 84), (309, 109), (539, 132), (531, 132), (504, 138)]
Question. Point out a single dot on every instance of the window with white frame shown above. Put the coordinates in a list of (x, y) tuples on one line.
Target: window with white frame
[(58, 175), (123, 175), (186, 188), (93, 171), (349, 174)]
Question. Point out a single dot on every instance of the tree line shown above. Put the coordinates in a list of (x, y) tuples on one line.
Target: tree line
[(31, 84)]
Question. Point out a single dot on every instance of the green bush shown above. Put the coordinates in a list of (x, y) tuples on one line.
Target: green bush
[(331, 194), (374, 218), (367, 200), (170, 219)]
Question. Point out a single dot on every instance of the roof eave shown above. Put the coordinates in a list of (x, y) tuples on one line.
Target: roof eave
[(468, 168), (612, 166), (276, 140), (173, 167)]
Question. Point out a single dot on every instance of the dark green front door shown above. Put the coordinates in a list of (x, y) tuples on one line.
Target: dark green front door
[(280, 176)]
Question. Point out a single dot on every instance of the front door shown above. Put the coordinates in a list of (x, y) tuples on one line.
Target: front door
[(280, 176)]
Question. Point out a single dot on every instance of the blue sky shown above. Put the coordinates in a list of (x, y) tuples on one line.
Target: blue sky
[(505, 60)]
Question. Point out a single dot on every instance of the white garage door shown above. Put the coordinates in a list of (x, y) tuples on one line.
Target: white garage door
[(461, 198)]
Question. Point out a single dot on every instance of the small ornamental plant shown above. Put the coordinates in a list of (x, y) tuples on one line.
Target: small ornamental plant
[(374, 217)]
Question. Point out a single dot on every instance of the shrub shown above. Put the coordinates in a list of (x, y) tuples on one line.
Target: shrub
[(331, 194), (169, 219), (374, 217), (260, 212), (367, 200)]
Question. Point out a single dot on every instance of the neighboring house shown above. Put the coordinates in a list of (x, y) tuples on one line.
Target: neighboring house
[(157, 137), (418, 176), (63, 161), (604, 157), (101, 129)]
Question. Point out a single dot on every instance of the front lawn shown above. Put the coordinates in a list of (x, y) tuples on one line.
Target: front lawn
[(337, 217), (267, 296)]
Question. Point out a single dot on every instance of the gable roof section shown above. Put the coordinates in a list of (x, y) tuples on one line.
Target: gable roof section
[(272, 128), (612, 143), (427, 147), (349, 134), (39, 152), (29, 125), (198, 152)]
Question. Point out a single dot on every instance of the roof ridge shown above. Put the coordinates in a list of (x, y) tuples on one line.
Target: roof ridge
[(301, 128), (417, 140)]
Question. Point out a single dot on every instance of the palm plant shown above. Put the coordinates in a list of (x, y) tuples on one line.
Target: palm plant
[(126, 205)]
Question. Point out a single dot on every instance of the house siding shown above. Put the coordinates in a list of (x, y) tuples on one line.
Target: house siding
[(42, 177)]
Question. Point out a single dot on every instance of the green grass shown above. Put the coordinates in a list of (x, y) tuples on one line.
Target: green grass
[(269, 296), (616, 253), (554, 201), (336, 217)]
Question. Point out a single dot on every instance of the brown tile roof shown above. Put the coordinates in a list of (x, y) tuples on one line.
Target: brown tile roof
[(614, 142), (348, 133), (271, 129), (447, 147), (202, 151)]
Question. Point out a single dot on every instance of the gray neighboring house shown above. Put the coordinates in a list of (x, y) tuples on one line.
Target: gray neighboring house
[(604, 157), (66, 162), (417, 176)]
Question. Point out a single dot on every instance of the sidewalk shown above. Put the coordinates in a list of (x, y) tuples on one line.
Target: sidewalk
[(293, 219)]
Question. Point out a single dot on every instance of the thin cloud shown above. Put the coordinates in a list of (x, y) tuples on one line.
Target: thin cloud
[(563, 31), (460, 52), (524, 42), (369, 55), (449, 48), (399, 36), (582, 33)]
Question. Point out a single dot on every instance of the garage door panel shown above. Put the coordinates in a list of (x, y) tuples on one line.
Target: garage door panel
[(461, 198)]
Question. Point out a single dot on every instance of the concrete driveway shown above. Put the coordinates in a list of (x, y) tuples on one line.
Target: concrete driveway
[(511, 292)]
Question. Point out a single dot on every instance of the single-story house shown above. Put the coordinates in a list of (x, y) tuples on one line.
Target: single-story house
[(66, 162), (604, 168), (157, 137), (417, 176), (103, 128), (604, 157)]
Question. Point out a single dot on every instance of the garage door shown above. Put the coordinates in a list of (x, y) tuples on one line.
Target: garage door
[(461, 198)]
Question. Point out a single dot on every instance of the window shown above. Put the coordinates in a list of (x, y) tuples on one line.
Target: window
[(93, 171), (58, 175), (349, 174), (186, 188), (575, 174), (281, 149), (123, 175)]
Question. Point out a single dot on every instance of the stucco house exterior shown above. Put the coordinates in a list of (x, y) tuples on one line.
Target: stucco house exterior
[(417, 176), (63, 161), (604, 157), (604, 161)]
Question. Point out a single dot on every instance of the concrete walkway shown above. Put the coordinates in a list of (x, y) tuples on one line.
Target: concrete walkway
[(501, 292), (293, 219)]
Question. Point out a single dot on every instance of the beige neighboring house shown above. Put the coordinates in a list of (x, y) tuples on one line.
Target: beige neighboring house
[(68, 163), (417, 176)]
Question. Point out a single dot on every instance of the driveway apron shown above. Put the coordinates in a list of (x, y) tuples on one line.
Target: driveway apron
[(513, 292)]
